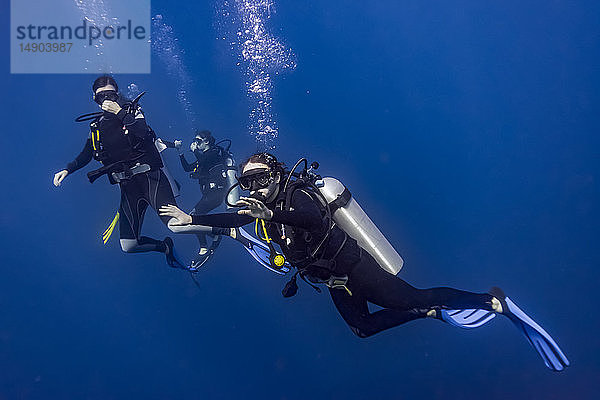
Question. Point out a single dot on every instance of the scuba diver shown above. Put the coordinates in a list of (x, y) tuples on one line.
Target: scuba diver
[(214, 169), (328, 238), (127, 148)]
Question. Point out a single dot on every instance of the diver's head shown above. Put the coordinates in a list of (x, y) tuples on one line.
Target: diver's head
[(105, 88), (202, 142), (262, 175)]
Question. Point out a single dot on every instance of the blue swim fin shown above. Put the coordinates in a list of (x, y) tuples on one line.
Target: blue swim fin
[(259, 251), (543, 343), (200, 260), (467, 319)]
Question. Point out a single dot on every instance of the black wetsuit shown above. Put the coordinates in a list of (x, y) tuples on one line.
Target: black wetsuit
[(366, 280), (120, 142), (210, 169)]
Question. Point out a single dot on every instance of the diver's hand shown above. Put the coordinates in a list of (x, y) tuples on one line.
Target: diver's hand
[(256, 208), (111, 106), (60, 176), (181, 218), (178, 144)]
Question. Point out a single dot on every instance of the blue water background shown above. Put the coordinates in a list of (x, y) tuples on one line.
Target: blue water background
[(467, 129)]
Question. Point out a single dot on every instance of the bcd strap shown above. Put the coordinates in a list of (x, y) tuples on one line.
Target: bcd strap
[(97, 173)]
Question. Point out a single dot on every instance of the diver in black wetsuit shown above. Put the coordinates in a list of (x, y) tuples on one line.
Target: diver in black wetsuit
[(122, 141), (303, 224), (214, 169), (328, 255)]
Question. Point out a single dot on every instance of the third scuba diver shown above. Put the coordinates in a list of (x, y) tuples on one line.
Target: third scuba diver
[(214, 169), (317, 223)]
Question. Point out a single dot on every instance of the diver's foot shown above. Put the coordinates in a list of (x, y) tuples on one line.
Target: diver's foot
[(426, 312), (170, 254), (199, 261), (497, 299), (243, 237), (497, 305), (204, 255)]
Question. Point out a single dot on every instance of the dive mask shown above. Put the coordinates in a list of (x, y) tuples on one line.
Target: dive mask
[(105, 95), (255, 179), (200, 143)]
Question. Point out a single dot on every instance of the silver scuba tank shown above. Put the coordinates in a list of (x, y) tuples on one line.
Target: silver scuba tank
[(233, 193), (351, 218)]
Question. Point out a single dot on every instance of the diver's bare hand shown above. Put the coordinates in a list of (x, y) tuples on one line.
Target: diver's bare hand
[(181, 218), (111, 106), (256, 208), (60, 176)]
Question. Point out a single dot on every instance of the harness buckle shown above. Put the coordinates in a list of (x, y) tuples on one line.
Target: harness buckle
[(338, 282)]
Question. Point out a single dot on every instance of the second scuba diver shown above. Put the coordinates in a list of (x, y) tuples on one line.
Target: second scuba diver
[(125, 145), (214, 169), (307, 227)]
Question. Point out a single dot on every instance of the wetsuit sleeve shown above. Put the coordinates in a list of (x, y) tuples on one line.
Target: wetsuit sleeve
[(82, 159), (305, 214), (187, 167), (135, 122), (222, 220)]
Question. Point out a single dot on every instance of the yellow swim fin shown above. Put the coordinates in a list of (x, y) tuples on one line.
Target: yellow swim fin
[(108, 232)]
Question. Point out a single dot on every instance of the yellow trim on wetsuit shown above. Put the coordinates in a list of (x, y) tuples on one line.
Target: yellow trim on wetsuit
[(96, 140)]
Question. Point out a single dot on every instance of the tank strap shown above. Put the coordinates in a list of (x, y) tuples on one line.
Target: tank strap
[(341, 200)]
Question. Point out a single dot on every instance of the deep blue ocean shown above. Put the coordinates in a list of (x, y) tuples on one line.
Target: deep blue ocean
[(468, 130)]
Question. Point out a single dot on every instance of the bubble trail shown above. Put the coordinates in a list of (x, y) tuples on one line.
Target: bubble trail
[(132, 91), (166, 46), (262, 56), (96, 12)]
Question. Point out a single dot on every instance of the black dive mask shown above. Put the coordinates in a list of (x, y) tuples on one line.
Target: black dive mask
[(105, 95), (255, 179)]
